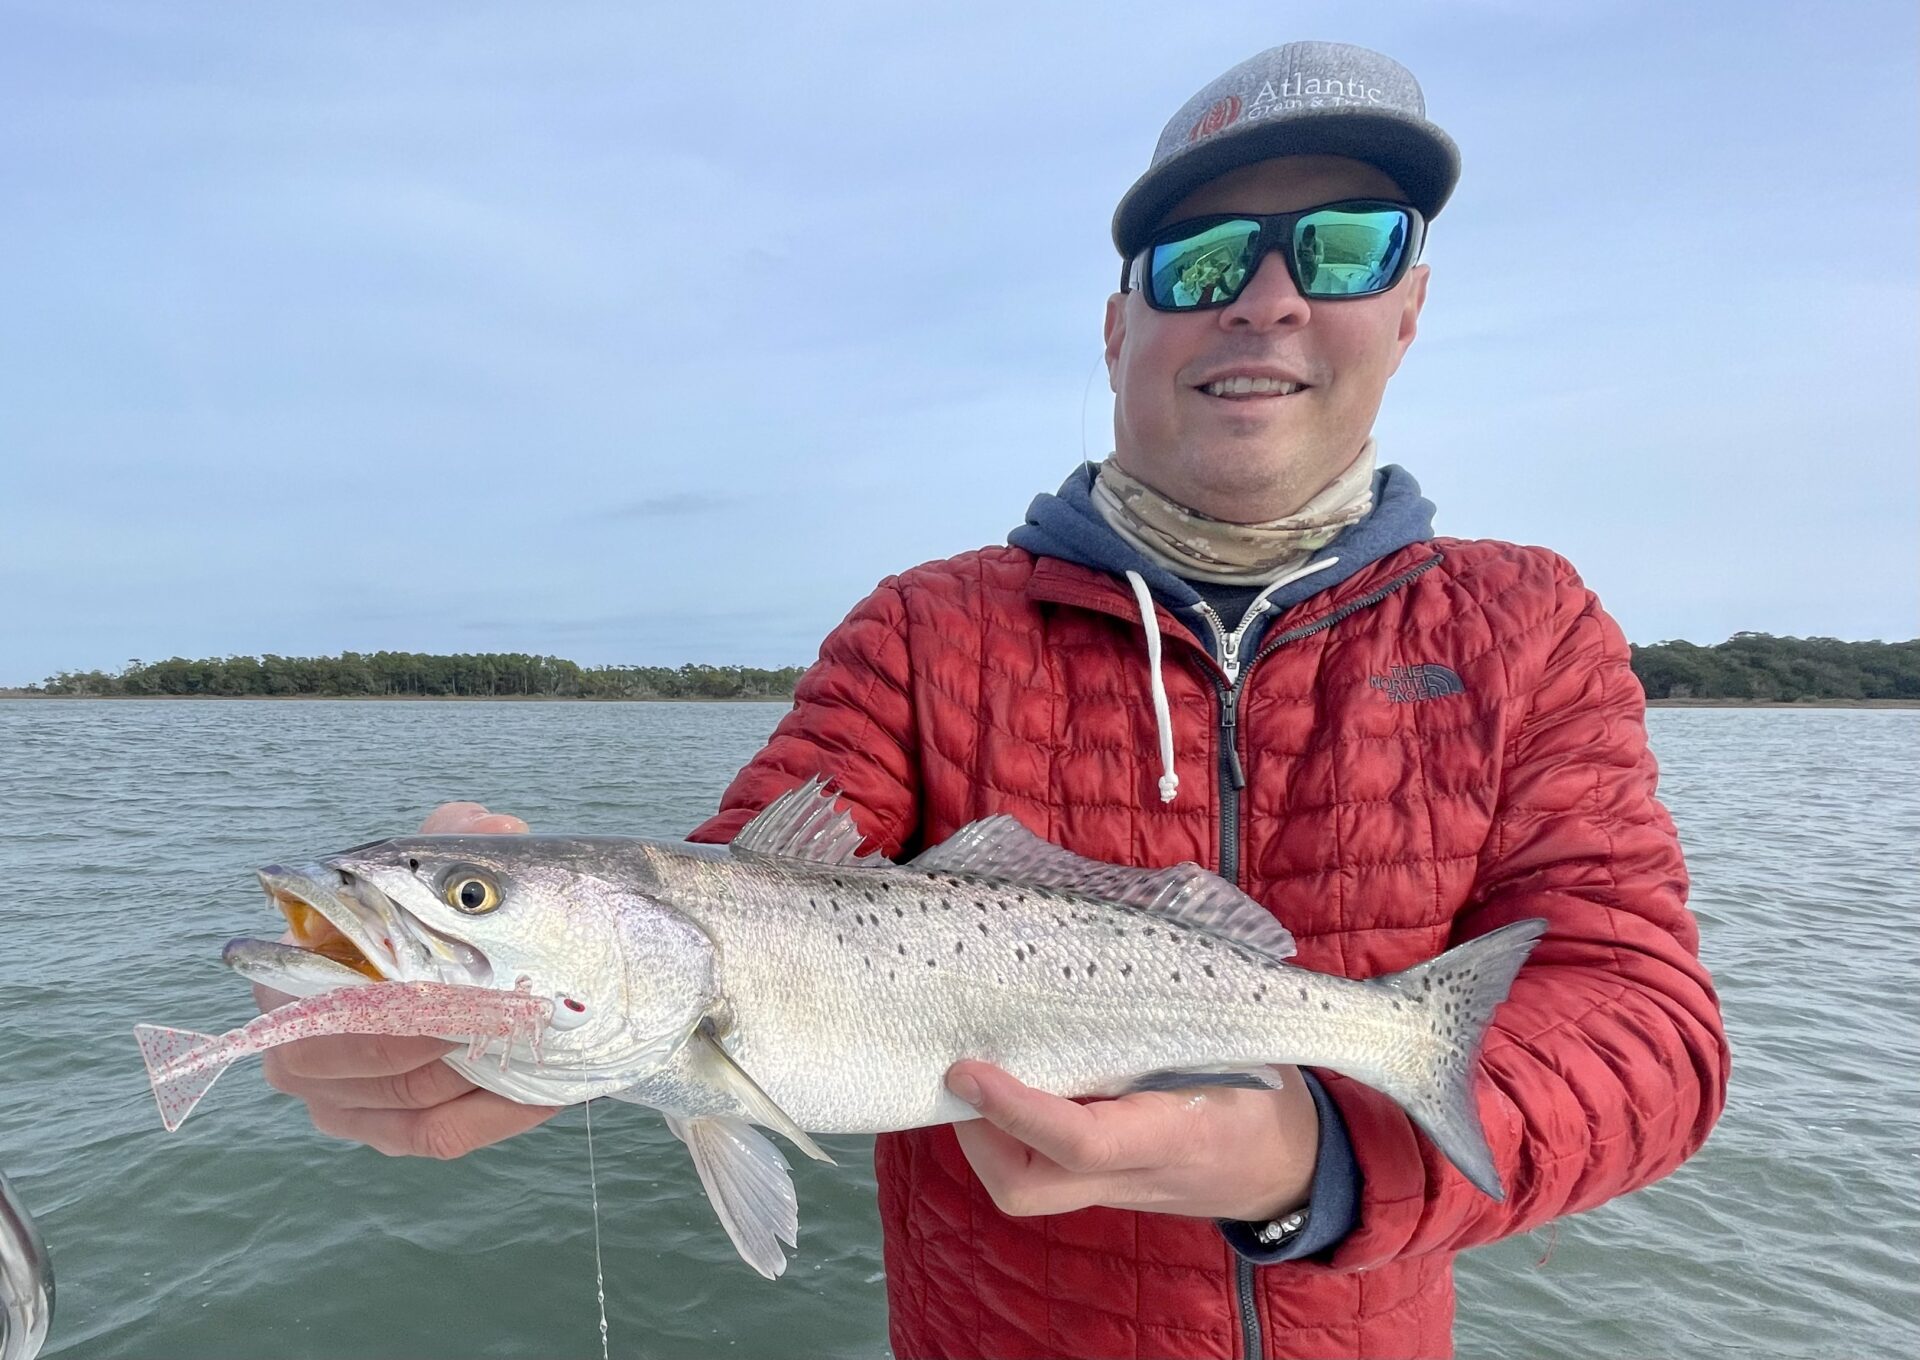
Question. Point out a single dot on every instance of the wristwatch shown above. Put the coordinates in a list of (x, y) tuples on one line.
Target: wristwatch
[(1277, 1232)]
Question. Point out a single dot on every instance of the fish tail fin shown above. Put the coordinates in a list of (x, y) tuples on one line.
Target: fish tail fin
[(1458, 992), (178, 1081)]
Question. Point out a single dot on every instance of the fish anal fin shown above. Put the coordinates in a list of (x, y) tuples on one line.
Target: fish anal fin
[(1001, 849), (807, 823), (1183, 1079), (748, 1182)]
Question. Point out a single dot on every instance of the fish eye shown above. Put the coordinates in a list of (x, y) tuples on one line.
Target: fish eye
[(470, 892)]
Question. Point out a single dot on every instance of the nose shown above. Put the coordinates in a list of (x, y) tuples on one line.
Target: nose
[(1269, 299)]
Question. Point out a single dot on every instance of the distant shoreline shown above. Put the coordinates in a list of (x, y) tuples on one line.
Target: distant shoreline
[(382, 698), (567, 699)]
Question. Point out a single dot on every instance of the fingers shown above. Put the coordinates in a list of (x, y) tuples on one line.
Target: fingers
[(1040, 1154), (1109, 1135), (421, 1088), (469, 819), (444, 1131)]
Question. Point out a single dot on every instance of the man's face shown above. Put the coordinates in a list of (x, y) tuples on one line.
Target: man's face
[(1251, 458)]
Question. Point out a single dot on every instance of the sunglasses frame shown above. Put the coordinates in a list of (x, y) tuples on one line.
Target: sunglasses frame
[(1274, 232)]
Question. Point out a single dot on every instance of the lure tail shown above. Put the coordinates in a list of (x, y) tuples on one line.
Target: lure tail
[(181, 1068)]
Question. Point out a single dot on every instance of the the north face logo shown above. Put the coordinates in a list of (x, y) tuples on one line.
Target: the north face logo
[(1410, 684)]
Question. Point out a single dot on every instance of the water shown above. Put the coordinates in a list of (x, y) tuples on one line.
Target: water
[(127, 836)]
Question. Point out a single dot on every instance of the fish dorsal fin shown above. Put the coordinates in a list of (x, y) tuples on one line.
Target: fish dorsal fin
[(806, 823), (1001, 848)]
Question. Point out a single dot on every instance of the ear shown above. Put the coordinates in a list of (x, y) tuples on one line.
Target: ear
[(1410, 313), (1116, 334)]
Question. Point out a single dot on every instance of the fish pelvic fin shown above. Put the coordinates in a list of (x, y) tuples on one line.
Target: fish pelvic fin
[(178, 1080), (750, 1186), (1458, 992)]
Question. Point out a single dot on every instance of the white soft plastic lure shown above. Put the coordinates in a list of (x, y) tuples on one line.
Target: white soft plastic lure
[(183, 1064)]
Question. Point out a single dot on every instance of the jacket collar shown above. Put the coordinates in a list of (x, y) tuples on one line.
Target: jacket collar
[(1055, 580)]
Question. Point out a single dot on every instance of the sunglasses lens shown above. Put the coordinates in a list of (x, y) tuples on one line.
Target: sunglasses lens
[(1202, 270), (1345, 253)]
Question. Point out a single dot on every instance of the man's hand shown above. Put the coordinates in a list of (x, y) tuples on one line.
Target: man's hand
[(394, 1093), (1212, 1153)]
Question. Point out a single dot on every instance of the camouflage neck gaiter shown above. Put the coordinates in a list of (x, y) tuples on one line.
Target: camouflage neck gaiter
[(1201, 548)]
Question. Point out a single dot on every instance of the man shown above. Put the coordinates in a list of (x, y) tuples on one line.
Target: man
[(1238, 642)]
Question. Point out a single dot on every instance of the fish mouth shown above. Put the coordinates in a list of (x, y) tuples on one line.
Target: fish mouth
[(337, 915)]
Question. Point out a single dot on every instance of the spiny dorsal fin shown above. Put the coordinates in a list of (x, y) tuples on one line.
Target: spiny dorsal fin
[(1001, 848), (806, 823)]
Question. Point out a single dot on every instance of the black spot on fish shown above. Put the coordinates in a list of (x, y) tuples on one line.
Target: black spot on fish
[(897, 911), (868, 894), (839, 937), (982, 925), (923, 908), (1259, 993), (1303, 993), (891, 975), (929, 963), (1090, 968), (1207, 968), (903, 951), (1326, 1005), (1176, 975), (1126, 970), (959, 946), (1067, 972)]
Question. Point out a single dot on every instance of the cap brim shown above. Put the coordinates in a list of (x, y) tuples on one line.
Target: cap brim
[(1418, 156)]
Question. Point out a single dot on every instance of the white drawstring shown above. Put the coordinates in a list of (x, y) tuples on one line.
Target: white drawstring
[(1169, 781)]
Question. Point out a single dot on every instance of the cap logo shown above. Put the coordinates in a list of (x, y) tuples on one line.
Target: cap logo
[(1223, 112), (1312, 92)]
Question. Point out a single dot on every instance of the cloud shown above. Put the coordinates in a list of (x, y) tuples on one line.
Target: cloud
[(676, 503)]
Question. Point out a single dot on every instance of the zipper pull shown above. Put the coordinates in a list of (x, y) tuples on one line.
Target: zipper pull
[(1230, 655), (1230, 737)]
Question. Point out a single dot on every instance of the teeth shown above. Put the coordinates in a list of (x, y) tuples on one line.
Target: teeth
[(1238, 387)]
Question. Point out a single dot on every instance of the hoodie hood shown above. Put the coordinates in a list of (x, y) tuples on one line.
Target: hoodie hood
[(1066, 525)]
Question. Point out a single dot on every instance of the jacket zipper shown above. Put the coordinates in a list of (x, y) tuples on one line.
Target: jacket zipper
[(1233, 778)]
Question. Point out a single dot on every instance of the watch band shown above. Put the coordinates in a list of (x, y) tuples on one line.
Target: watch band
[(1279, 1231)]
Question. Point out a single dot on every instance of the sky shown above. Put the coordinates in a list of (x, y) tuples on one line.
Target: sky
[(655, 334)]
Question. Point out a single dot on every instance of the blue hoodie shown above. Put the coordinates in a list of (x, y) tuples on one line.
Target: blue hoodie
[(1066, 525)]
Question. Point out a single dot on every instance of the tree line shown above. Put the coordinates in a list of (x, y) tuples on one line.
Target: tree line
[(1749, 666), (1759, 666), (486, 675)]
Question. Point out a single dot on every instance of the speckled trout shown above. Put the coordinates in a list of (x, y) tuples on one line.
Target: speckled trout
[(788, 982)]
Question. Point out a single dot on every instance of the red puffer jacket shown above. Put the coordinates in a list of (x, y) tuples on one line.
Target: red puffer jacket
[(1446, 742)]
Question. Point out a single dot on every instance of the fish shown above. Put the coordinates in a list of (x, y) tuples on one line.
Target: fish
[(26, 1280), (183, 1064), (790, 983)]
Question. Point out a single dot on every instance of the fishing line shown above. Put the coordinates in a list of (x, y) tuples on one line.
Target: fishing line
[(593, 1181), (1086, 395)]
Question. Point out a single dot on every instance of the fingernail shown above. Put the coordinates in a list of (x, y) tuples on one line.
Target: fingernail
[(965, 1087)]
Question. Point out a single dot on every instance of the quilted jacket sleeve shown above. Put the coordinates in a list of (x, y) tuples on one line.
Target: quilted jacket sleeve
[(852, 722), (1607, 1065)]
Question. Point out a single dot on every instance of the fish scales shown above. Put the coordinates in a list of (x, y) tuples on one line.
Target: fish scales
[(855, 989), (788, 983)]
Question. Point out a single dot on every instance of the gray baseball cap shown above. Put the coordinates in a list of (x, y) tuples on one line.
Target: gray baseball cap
[(1304, 98)]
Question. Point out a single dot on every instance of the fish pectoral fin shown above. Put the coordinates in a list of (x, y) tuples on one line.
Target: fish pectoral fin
[(713, 1065), (1181, 1079), (748, 1182)]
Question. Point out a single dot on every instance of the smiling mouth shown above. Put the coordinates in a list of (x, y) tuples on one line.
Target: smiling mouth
[(1250, 389)]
